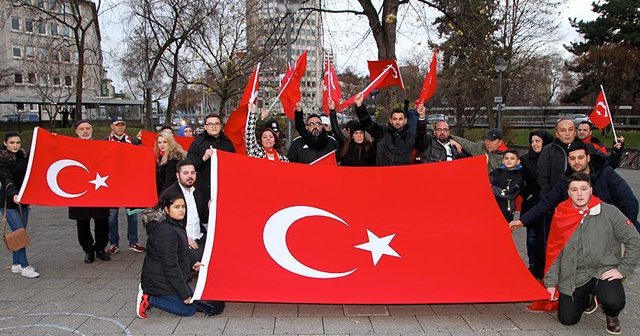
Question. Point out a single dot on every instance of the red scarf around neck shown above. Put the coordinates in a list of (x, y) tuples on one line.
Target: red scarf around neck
[(271, 151)]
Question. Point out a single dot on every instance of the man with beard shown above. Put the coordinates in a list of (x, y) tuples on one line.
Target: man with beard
[(437, 147), (313, 142), (197, 212), (395, 141), (92, 248)]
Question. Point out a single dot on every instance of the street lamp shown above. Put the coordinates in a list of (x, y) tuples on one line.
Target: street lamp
[(288, 7), (501, 66)]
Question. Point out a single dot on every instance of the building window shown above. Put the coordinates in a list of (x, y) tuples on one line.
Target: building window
[(20, 106), (15, 23), (17, 51), (41, 4), (56, 81), (31, 78), (44, 80), (66, 56), (41, 27), (17, 78), (55, 56), (42, 53), (53, 29), (28, 26), (29, 52), (67, 81), (65, 31)]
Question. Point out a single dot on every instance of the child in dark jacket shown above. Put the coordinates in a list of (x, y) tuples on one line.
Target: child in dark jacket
[(506, 182)]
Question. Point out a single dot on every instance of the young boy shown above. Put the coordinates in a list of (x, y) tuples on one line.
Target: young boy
[(506, 182)]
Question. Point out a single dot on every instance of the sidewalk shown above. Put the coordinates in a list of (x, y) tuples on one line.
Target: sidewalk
[(72, 297)]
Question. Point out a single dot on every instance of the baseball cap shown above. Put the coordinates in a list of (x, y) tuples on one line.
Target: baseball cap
[(116, 119), (272, 124), (493, 134), (325, 120)]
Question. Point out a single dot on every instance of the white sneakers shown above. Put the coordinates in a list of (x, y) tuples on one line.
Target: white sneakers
[(28, 271)]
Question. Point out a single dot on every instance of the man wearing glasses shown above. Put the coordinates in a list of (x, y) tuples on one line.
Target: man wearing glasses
[(313, 142), (202, 148), (437, 147)]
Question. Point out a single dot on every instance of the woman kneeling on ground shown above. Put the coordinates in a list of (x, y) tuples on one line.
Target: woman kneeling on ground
[(166, 268)]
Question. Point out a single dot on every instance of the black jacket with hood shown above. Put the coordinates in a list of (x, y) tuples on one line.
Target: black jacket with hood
[(606, 183), (166, 266), (531, 190), (197, 149)]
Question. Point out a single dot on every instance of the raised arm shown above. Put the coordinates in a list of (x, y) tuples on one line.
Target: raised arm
[(367, 123), (333, 116), (250, 139)]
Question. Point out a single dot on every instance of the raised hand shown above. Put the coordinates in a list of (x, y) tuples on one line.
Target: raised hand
[(359, 99)]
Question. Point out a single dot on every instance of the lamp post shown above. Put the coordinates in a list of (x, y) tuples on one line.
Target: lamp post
[(288, 7), (501, 66), (147, 117)]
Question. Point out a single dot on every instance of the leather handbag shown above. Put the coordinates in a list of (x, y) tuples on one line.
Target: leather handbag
[(14, 240)]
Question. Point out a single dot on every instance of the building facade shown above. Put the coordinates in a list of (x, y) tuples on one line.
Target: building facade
[(39, 58), (266, 23)]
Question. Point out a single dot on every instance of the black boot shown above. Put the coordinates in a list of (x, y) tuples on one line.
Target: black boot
[(89, 257), (102, 255)]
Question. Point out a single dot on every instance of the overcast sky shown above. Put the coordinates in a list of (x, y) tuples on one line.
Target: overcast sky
[(343, 33)]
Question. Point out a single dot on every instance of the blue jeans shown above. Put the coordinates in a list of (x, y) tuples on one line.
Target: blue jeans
[(532, 241), (17, 221), (132, 228), (173, 304)]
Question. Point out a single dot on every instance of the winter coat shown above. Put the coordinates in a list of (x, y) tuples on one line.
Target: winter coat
[(196, 151), (600, 236), (506, 185), (354, 155), (531, 189), (13, 168), (434, 150), (202, 204), (552, 165), (307, 148), (166, 266), (166, 174), (254, 149), (393, 147), (606, 183)]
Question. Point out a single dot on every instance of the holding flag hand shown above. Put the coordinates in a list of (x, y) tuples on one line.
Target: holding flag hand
[(331, 104), (359, 99), (516, 224), (422, 111), (252, 108), (619, 143), (552, 291), (264, 114)]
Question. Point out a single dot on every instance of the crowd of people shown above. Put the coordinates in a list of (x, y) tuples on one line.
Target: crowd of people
[(571, 173)]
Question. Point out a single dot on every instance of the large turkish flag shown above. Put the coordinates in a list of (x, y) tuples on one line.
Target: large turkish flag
[(65, 171), (428, 233)]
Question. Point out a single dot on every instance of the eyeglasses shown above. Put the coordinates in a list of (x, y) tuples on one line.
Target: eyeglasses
[(314, 124), (442, 130), (214, 124)]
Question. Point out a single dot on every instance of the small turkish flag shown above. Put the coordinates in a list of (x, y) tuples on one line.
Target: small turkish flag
[(362, 245), (430, 82), (65, 171), (374, 85), (328, 159), (330, 87), (237, 122), (149, 140), (394, 78), (290, 87), (600, 114)]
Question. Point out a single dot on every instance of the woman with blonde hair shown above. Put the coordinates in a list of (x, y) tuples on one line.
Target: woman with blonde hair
[(168, 153)]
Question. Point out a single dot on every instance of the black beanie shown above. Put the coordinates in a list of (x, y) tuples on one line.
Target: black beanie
[(354, 126)]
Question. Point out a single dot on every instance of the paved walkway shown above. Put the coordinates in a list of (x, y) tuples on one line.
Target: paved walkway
[(72, 297)]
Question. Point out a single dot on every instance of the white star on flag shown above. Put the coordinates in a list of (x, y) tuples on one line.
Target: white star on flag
[(100, 181), (378, 246)]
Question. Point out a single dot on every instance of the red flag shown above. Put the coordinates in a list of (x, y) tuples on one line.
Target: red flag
[(330, 87), (328, 159), (430, 82), (290, 93), (149, 140), (394, 78), (322, 246), (372, 86), (237, 122), (600, 115), (65, 171)]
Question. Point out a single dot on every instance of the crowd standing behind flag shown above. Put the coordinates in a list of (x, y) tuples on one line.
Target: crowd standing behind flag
[(313, 141)]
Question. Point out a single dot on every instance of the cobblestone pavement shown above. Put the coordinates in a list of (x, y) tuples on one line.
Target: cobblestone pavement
[(72, 297)]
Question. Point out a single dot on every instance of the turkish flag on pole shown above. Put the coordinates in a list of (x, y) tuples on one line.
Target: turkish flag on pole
[(321, 246), (430, 82), (600, 116), (237, 122), (149, 140), (330, 87), (394, 78), (290, 93), (374, 85), (328, 159), (65, 171)]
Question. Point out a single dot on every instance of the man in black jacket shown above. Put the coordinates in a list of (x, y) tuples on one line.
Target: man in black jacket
[(197, 212), (437, 147), (201, 150), (552, 163), (607, 185), (92, 248), (395, 141), (313, 142)]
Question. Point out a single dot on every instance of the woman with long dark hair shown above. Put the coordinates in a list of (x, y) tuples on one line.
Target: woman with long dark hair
[(13, 167), (357, 150), (266, 144)]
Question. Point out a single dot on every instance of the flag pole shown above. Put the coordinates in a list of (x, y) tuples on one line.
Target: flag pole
[(281, 91), (613, 128)]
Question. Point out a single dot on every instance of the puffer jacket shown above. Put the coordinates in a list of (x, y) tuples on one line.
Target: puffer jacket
[(166, 266), (600, 236)]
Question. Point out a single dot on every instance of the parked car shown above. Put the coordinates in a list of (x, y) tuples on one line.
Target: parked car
[(578, 118)]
